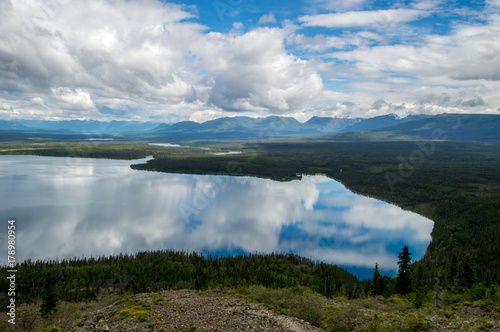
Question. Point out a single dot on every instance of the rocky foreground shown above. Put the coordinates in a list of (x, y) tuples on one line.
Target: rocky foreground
[(189, 311)]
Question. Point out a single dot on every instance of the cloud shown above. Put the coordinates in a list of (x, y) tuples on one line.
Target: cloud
[(257, 74), (381, 18), (267, 19), (447, 100), (493, 3), (145, 59), (320, 42), (73, 99), (74, 51), (6, 108), (338, 5), (238, 25), (427, 4), (474, 102), (85, 57), (470, 53), (378, 104)]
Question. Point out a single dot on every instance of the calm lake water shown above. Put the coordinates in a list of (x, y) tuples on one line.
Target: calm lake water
[(67, 207)]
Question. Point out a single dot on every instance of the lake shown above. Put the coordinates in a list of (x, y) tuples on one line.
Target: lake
[(67, 207)]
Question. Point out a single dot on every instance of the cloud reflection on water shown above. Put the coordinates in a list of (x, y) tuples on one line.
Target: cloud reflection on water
[(73, 207)]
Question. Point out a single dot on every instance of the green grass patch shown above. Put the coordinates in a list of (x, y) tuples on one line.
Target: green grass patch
[(140, 312)]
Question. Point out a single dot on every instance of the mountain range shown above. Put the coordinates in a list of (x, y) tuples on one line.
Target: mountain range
[(453, 127), (466, 127), (76, 126), (246, 127)]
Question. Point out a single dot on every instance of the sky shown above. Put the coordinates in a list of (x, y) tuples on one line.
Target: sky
[(170, 61)]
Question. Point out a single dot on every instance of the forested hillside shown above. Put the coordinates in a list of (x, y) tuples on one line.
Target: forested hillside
[(82, 279)]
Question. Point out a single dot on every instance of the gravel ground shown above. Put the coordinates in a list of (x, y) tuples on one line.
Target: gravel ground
[(189, 311)]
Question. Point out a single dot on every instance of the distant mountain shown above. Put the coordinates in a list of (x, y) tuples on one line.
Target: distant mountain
[(383, 121), (277, 124), (77, 126), (459, 127), (11, 125), (453, 127), (232, 127), (482, 127), (246, 127), (181, 126), (325, 124)]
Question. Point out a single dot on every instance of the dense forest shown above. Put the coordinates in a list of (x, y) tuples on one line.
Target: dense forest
[(82, 279), (88, 279)]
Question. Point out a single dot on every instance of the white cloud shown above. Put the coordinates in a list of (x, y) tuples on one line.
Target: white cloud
[(338, 5), (86, 56), (238, 25), (380, 18), (74, 52), (471, 53), (427, 4), (321, 42), (37, 101), (267, 19), (73, 99), (143, 59), (254, 72), (493, 3)]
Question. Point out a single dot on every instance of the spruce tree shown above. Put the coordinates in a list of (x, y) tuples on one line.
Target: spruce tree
[(453, 269), (49, 299), (466, 272), (437, 289), (377, 282), (419, 289), (403, 282)]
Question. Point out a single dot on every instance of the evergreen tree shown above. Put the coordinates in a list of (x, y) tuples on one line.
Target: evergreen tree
[(437, 289), (403, 282), (49, 299), (377, 282), (466, 272), (419, 289), (453, 269)]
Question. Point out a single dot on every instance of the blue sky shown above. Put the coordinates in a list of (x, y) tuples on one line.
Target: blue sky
[(167, 61)]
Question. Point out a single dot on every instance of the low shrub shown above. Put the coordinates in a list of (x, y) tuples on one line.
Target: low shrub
[(297, 301)]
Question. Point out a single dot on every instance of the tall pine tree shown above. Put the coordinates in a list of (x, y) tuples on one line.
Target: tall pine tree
[(49, 299), (378, 287), (466, 272), (403, 281), (453, 269), (419, 289)]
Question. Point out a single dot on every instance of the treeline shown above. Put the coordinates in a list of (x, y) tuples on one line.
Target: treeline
[(81, 149), (85, 279), (81, 279)]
